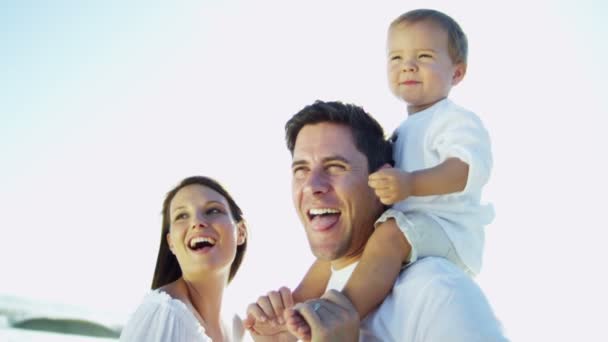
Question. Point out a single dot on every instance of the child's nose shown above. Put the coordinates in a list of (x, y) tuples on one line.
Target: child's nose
[(408, 65)]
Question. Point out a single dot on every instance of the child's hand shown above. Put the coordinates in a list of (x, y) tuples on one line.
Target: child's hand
[(265, 317), (297, 326), (391, 185)]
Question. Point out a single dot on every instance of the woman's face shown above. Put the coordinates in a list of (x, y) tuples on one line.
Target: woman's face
[(202, 234)]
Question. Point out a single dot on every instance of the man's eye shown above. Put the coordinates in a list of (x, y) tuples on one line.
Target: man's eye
[(299, 172), (335, 168)]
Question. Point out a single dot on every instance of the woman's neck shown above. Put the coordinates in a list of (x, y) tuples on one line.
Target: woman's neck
[(205, 296)]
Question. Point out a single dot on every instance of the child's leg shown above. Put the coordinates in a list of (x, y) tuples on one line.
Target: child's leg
[(373, 278), (314, 282), (429, 238), (312, 286)]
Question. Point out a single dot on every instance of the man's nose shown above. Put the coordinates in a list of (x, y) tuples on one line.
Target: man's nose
[(317, 182)]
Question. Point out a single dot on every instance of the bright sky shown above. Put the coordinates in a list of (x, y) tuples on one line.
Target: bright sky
[(105, 106)]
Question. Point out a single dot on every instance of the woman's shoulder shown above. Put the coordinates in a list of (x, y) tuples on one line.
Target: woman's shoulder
[(161, 317)]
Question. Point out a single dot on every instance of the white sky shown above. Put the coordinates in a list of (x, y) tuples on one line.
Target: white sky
[(105, 106)]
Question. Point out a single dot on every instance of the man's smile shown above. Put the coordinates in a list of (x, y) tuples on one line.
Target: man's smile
[(322, 219)]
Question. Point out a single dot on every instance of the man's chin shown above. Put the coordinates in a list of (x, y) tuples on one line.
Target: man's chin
[(326, 254)]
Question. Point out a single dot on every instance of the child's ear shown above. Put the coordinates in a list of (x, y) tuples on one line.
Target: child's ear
[(168, 237), (241, 228), (459, 70)]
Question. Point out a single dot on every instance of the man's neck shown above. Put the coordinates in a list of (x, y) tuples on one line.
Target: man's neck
[(340, 263)]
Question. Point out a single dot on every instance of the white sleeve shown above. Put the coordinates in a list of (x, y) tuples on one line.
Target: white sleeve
[(458, 311), (461, 134), (159, 322)]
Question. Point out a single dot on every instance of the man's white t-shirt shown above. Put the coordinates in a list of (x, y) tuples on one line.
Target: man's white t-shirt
[(431, 301)]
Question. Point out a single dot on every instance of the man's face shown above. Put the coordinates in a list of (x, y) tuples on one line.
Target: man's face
[(331, 194)]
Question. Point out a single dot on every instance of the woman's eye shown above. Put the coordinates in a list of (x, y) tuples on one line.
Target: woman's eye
[(212, 211), (181, 216)]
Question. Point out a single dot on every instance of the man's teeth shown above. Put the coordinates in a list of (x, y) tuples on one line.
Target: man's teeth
[(196, 240), (323, 211)]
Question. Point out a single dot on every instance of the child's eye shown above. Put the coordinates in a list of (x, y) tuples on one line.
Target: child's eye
[(424, 55), (395, 58)]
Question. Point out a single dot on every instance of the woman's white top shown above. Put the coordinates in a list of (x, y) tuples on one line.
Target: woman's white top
[(162, 318)]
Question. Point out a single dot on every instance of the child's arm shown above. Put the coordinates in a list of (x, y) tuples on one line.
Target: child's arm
[(374, 276), (393, 185), (314, 283)]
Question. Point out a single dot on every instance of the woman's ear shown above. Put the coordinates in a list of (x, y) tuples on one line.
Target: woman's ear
[(169, 243), (241, 228)]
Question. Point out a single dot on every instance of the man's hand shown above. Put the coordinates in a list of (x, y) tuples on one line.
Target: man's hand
[(331, 318), (391, 184), (264, 318)]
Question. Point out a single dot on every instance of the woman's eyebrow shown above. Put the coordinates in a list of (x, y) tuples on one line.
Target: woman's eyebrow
[(178, 208)]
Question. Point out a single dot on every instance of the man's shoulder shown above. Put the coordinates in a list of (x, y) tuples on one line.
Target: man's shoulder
[(433, 298)]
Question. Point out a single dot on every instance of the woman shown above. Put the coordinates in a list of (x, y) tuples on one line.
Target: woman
[(202, 244)]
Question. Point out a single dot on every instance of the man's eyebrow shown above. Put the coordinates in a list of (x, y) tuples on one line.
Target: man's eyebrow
[(324, 160), (335, 158), (298, 162)]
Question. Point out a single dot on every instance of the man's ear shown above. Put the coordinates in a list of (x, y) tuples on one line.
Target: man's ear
[(459, 70), (168, 237), (241, 231)]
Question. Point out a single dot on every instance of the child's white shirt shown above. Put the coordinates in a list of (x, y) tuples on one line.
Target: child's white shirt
[(428, 138)]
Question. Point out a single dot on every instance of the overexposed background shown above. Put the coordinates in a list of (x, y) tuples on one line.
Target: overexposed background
[(106, 105)]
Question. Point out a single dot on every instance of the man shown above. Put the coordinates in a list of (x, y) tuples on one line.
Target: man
[(334, 148)]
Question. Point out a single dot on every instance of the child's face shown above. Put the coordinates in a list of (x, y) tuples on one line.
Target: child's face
[(420, 70)]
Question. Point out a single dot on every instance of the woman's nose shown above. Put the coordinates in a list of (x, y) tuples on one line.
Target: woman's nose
[(199, 222), (199, 225)]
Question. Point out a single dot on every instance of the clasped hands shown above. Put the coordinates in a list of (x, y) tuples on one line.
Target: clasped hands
[(274, 317)]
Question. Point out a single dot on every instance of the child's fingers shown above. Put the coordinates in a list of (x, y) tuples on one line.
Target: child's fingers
[(296, 320), (384, 194), (304, 333), (296, 325), (379, 174)]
